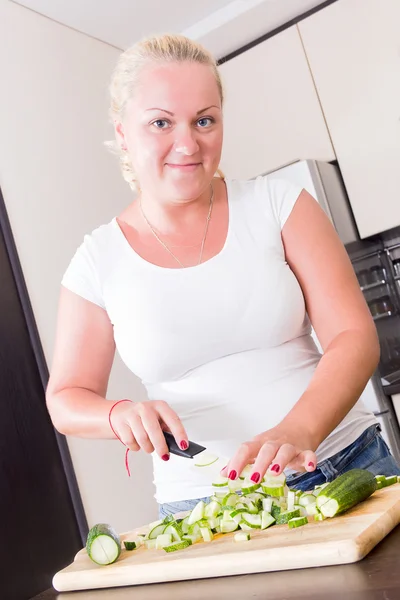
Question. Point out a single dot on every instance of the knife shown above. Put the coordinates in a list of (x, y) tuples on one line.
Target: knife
[(173, 447), (206, 459)]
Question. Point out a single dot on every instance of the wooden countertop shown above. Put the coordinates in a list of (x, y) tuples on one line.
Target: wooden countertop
[(376, 577)]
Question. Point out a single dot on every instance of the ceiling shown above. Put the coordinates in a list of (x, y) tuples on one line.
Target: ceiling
[(222, 26)]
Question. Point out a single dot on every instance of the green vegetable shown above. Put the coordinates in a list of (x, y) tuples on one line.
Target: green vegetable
[(241, 536), (103, 544), (130, 545), (346, 491), (178, 546), (284, 517), (297, 522)]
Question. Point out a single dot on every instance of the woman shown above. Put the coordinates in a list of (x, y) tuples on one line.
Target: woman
[(207, 288)]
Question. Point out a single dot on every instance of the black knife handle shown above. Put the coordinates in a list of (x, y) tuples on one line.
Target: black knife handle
[(175, 449)]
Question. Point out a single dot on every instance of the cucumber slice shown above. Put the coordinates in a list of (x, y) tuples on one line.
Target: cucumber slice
[(230, 500), (212, 509), (157, 530), (227, 526), (150, 544), (253, 521), (266, 519), (165, 539), (248, 486), (237, 511), (318, 488), (131, 545), (234, 485), (256, 496), (297, 522), (213, 522), (134, 543), (197, 513), (194, 529), (245, 527), (275, 479), (319, 517), (103, 544), (311, 510), (185, 525), (307, 499), (302, 509), (193, 539), (291, 500), (273, 490), (206, 534), (205, 460), (220, 482), (267, 504), (238, 518), (172, 530), (251, 507), (178, 546), (241, 536), (284, 517), (390, 480), (216, 529)]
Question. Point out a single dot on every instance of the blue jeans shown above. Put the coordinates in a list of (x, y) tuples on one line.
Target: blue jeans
[(369, 451)]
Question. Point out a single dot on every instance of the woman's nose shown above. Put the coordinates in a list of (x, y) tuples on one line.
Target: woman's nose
[(186, 143)]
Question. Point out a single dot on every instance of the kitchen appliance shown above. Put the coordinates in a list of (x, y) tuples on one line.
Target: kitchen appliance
[(377, 265), (343, 539), (376, 262)]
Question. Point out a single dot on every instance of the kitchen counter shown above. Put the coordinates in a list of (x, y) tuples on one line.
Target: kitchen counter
[(376, 577)]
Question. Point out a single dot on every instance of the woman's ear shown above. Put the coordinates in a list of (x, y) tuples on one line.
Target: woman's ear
[(120, 135)]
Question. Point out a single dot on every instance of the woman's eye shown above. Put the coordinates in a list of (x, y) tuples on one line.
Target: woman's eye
[(205, 122), (160, 124)]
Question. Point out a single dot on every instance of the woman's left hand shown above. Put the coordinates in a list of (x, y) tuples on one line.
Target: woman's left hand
[(272, 450)]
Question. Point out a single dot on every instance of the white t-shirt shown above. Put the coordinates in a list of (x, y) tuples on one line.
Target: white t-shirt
[(226, 343)]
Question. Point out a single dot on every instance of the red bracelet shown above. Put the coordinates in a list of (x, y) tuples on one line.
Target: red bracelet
[(116, 434)]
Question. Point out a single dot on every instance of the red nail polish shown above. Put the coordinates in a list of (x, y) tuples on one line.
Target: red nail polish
[(311, 464), (232, 474), (275, 468), (255, 477), (165, 457), (184, 445)]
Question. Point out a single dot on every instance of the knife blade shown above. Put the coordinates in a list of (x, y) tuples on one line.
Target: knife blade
[(173, 447)]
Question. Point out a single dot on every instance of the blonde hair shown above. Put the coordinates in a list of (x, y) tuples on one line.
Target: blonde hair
[(165, 48)]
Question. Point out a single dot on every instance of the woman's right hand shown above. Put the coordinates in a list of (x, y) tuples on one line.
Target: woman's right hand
[(140, 426)]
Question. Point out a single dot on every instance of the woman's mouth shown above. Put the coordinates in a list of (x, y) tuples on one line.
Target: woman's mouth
[(184, 167)]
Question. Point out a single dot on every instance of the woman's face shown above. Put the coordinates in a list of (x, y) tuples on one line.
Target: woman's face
[(172, 129)]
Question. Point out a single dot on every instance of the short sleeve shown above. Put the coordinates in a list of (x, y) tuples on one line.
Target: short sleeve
[(282, 196), (81, 276)]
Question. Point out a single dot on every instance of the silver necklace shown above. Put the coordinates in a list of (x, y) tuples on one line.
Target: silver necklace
[(164, 245)]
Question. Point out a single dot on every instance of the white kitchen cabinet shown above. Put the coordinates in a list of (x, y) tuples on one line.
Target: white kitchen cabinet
[(353, 48), (396, 405), (272, 114)]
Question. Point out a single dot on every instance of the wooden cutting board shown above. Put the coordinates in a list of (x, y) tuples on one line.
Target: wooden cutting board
[(343, 539)]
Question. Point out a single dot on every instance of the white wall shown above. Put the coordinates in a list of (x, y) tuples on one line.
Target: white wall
[(59, 182)]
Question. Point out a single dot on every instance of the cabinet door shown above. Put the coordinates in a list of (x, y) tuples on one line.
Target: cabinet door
[(39, 529), (353, 48), (272, 115)]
